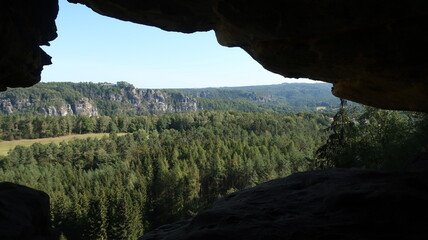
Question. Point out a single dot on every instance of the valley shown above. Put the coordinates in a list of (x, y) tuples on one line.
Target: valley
[(118, 161)]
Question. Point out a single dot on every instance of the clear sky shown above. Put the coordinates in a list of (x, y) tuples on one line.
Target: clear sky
[(95, 48)]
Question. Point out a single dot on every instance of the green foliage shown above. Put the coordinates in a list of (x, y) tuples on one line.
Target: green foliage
[(124, 99), (169, 168), (373, 138), (110, 99), (284, 97)]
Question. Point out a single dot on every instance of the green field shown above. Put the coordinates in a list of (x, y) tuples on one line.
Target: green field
[(6, 146)]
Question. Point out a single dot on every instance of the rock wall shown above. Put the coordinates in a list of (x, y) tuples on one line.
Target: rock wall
[(155, 100), (83, 106), (139, 101), (62, 110)]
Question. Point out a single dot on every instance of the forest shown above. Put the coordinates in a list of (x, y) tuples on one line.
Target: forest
[(169, 167), (285, 96)]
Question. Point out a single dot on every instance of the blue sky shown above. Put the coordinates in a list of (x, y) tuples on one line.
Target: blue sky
[(95, 48)]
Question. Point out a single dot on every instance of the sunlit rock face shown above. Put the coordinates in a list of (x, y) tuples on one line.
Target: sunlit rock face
[(331, 204), (24, 213), (374, 52), (24, 26)]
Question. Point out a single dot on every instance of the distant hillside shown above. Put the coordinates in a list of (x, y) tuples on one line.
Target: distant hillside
[(95, 99), (279, 97), (92, 99), (298, 94)]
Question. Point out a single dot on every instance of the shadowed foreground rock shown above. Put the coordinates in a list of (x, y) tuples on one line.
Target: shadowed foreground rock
[(24, 213), (332, 204)]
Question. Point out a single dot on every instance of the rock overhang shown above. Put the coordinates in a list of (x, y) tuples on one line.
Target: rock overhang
[(374, 52)]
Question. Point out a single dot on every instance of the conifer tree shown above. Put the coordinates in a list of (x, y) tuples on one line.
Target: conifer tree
[(96, 228)]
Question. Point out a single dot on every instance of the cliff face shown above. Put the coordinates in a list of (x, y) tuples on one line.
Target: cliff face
[(124, 98), (83, 107), (58, 107), (154, 100)]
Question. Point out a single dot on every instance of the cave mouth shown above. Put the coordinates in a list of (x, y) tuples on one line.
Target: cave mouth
[(373, 53)]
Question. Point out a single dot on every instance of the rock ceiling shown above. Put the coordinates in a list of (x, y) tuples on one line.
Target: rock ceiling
[(374, 52)]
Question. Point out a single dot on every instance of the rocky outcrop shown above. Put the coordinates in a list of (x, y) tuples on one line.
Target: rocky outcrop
[(81, 107), (59, 107), (124, 96), (62, 110), (24, 26), (331, 204), (155, 100), (84, 107), (24, 213), (8, 105)]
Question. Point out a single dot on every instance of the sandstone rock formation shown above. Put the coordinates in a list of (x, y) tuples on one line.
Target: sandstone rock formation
[(332, 204), (24, 26), (62, 110), (157, 101), (84, 107), (61, 99), (24, 213)]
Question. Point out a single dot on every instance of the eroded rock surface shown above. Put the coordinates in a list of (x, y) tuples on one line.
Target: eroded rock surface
[(53, 102), (332, 204), (24, 213), (24, 26)]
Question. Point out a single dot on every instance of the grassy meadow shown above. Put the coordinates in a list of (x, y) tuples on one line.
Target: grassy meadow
[(6, 146)]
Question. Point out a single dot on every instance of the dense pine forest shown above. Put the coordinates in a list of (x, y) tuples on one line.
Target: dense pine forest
[(167, 167)]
